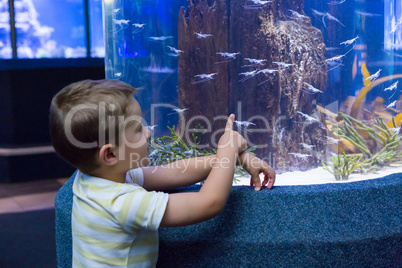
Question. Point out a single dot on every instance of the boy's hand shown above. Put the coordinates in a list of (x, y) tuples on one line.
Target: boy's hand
[(254, 166), (232, 138)]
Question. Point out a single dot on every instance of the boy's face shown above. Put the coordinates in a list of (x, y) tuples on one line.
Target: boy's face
[(133, 149)]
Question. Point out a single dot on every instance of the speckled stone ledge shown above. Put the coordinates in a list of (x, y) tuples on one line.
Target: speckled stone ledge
[(355, 224)]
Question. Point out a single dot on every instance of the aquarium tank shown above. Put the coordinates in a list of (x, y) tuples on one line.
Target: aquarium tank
[(312, 83)]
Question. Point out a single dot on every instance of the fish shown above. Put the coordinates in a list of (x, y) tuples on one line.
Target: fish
[(266, 71), (204, 78), (349, 42), (282, 64), (308, 118), (151, 127), (311, 89), (317, 13), (301, 156), (243, 123), (374, 76), (297, 15), (180, 111), (201, 35), (227, 56), (160, 38), (330, 17), (392, 104), (176, 52), (256, 61), (121, 22), (247, 75), (139, 26), (392, 87)]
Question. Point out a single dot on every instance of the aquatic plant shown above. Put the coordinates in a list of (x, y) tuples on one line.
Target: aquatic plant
[(170, 148), (385, 147), (343, 165), (382, 136)]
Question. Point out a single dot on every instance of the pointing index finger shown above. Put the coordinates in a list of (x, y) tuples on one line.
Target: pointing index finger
[(229, 123)]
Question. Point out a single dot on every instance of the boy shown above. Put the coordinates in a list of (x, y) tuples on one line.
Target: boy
[(97, 127)]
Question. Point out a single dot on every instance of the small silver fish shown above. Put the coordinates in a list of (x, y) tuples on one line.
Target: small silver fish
[(228, 55), (256, 61), (151, 127), (392, 87), (312, 89), (374, 76), (206, 76), (176, 51), (282, 64), (330, 17), (243, 123), (160, 38), (180, 111), (307, 117), (349, 42), (201, 35), (302, 156), (266, 71), (392, 104)]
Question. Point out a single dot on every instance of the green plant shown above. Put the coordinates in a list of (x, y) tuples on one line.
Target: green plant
[(343, 165), (385, 147), (170, 148)]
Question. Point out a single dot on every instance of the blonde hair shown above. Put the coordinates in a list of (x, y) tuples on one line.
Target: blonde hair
[(75, 112)]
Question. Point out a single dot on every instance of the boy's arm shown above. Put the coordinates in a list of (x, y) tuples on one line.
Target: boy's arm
[(189, 208), (180, 173)]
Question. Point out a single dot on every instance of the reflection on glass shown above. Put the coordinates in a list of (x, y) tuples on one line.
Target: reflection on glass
[(5, 42), (50, 29), (392, 25), (96, 28)]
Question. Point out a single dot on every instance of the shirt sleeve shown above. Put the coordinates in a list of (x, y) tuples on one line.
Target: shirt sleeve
[(135, 176), (141, 209)]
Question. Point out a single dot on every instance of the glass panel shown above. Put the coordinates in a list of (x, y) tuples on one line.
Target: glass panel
[(313, 83), (5, 39), (50, 29), (96, 28)]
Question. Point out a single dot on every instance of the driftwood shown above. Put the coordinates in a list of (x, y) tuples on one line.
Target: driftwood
[(276, 101)]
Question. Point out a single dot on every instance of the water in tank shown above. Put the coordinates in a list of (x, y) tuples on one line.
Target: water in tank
[(314, 85)]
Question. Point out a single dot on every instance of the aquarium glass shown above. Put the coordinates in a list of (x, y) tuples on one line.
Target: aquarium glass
[(50, 29), (96, 28), (5, 42), (312, 83)]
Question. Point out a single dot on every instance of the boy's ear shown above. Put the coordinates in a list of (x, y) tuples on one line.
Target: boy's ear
[(108, 154)]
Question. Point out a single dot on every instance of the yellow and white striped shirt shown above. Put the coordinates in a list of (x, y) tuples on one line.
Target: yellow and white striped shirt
[(115, 224)]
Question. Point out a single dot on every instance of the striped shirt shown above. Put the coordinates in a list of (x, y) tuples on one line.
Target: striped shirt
[(115, 224)]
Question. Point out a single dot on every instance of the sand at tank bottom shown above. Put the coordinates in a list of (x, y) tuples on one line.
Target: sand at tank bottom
[(320, 176)]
